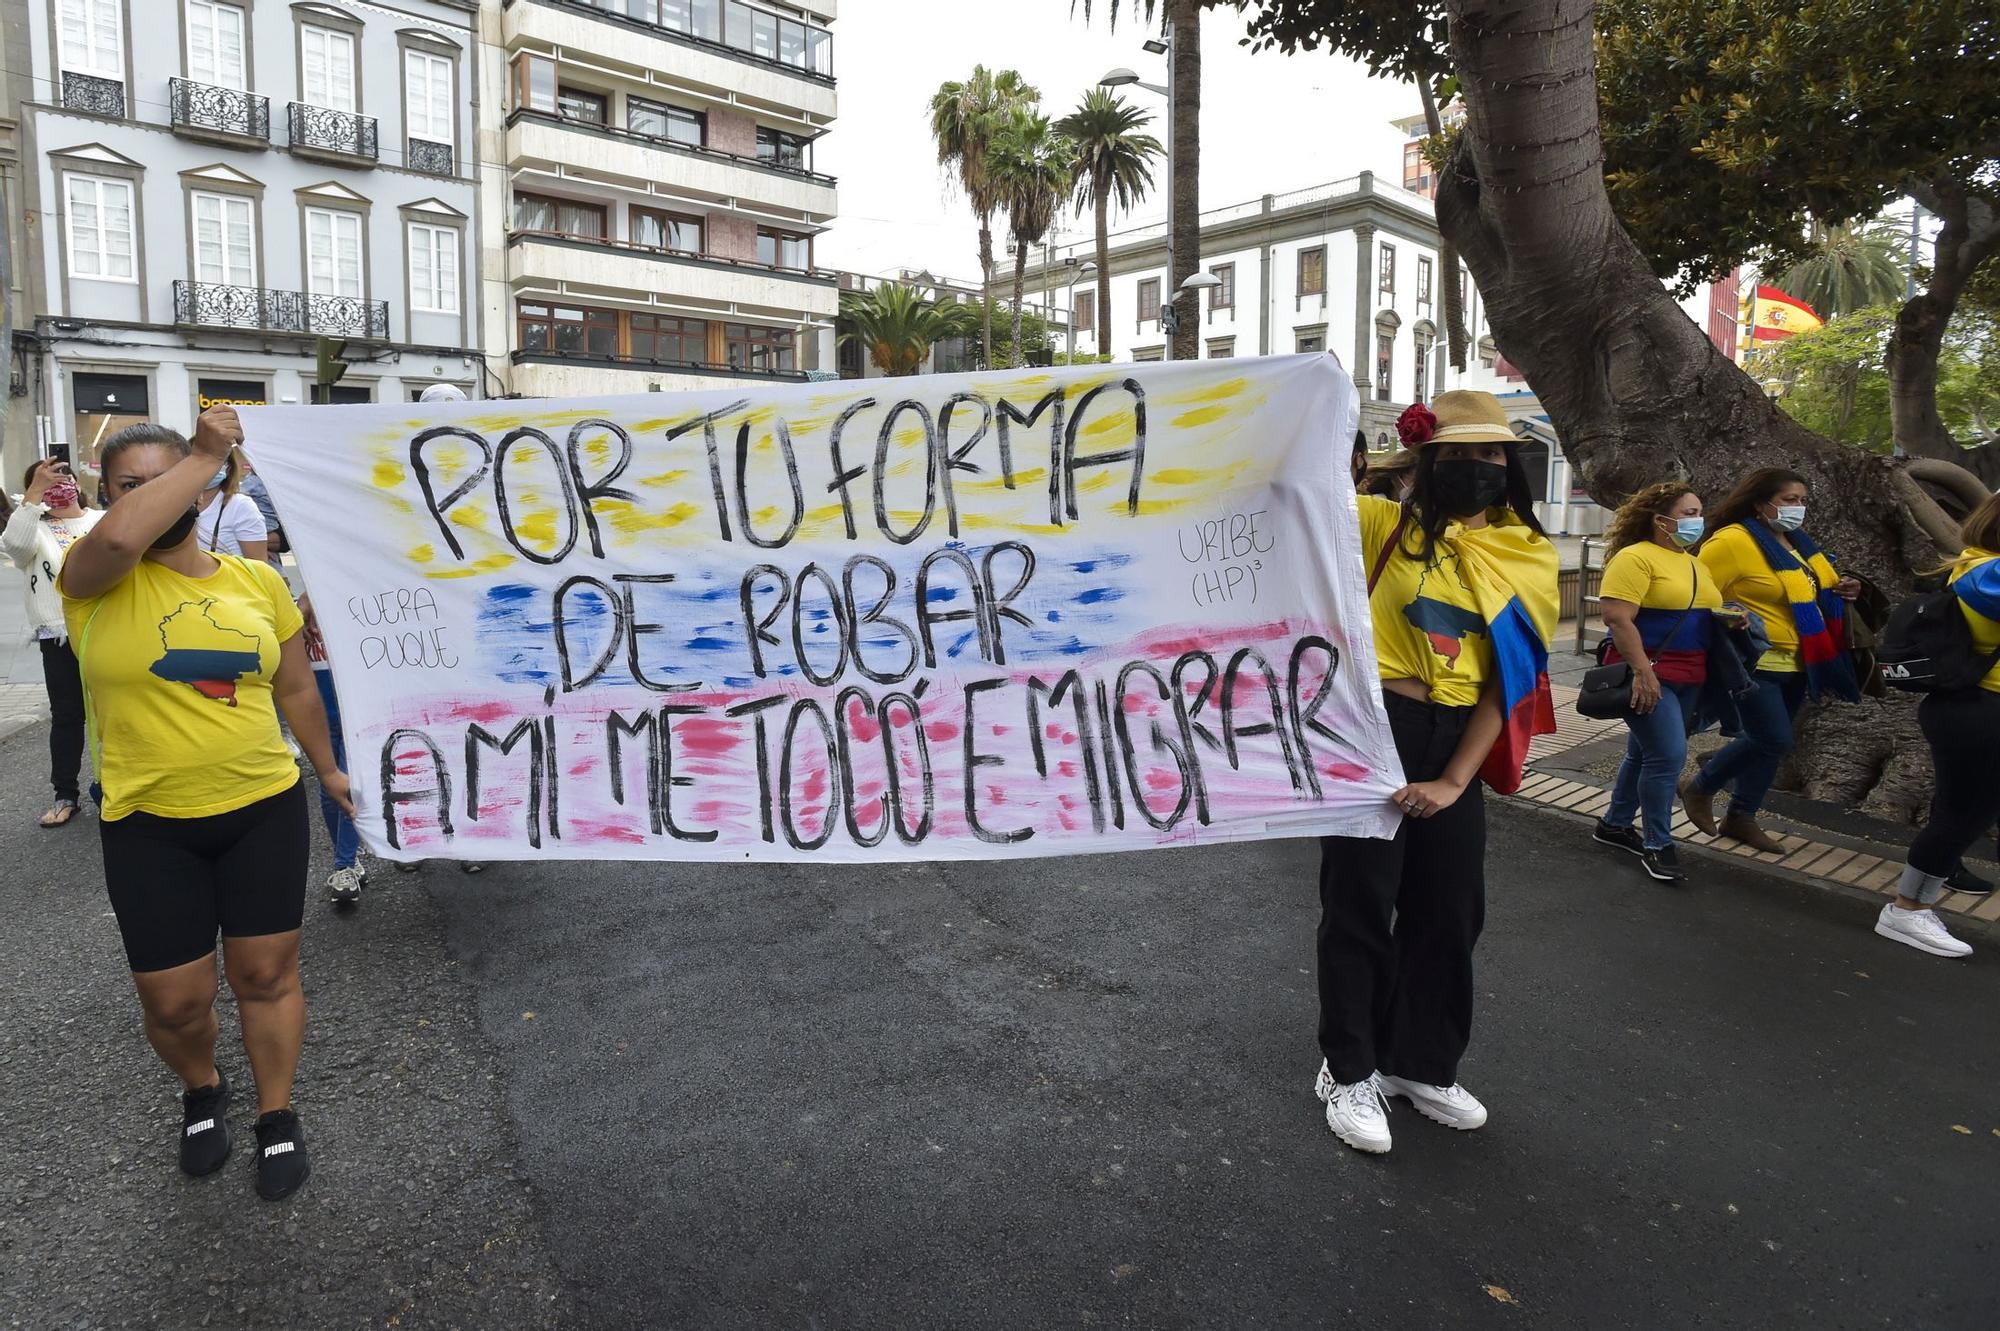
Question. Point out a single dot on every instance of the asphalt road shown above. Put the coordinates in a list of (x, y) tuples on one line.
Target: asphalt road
[(1058, 1093)]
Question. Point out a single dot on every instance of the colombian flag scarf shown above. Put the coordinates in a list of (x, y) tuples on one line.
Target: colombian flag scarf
[(1512, 572), (1817, 612)]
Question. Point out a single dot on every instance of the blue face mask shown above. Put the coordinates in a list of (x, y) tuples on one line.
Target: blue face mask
[(216, 481), (1689, 530), (1790, 517)]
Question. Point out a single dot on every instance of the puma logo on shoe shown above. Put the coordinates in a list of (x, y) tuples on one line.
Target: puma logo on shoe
[(280, 1149), (202, 1126)]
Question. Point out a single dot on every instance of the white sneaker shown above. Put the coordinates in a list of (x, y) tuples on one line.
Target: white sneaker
[(1921, 929), (1355, 1111), (343, 886), (1453, 1106)]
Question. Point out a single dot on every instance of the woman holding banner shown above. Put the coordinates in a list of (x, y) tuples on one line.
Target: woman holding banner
[(1462, 593), (186, 656)]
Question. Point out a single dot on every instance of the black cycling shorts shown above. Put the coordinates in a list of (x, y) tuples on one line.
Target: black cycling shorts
[(175, 883)]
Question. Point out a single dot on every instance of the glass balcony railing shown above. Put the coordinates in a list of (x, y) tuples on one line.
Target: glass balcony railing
[(767, 35)]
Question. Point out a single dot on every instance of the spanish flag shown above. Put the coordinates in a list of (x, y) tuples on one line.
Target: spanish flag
[(1774, 316)]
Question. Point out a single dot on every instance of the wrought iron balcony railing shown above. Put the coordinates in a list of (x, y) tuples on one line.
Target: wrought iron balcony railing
[(87, 92), (436, 159), (203, 107), (321, 129), (213, 305)]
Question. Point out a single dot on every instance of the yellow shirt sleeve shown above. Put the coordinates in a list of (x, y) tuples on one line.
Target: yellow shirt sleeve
[(1379, 517), (1719, 557), (285, 612), (1627, 577)]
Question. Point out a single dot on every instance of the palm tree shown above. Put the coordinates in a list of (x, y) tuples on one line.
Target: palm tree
[(899, 325), (1031, 167), (963, 118), (1182, 21), (1848, 268), (1113, 160)]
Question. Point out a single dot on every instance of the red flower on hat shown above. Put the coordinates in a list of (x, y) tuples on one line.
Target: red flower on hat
[(1416, 425)]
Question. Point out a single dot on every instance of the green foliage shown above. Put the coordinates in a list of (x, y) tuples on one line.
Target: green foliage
[(1832, 379), (898, 324), (1728, 123), (964, 115), (1849, 268), (1113, 159), (1398, 39), (1031, 167)]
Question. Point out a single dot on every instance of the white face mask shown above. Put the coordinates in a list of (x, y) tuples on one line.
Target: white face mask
[(1789, 517)]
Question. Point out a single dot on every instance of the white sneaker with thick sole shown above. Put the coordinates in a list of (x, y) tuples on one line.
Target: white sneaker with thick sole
[(1356, 1112), (1920, 929), (1453, 1106), (343, 886)]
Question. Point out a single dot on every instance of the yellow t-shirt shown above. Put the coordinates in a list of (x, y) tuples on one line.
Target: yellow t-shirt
[(1743, 576), (1975, 577), (1427, 623), (1675, 595), (179, 672)]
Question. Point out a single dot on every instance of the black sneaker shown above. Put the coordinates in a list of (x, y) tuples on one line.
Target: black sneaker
[(1971, 884), (1624, 838), (282, 1164), (1663, 864), (205, 1127)]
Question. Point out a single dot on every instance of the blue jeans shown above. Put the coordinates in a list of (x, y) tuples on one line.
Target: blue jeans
[(1752, 759), (340, 829), (1654, 753)]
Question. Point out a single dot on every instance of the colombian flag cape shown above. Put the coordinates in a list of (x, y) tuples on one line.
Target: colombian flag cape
[(1513, 577)]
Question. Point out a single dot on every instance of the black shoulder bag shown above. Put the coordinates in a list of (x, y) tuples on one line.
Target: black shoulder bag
[(1606, 691)]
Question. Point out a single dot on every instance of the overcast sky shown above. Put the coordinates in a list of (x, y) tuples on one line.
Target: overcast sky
[(1270, 123)]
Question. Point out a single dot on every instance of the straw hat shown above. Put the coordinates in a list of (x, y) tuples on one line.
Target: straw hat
[(1462, 416)]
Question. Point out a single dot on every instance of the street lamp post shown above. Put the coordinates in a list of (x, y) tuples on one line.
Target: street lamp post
[(1197, 283), (1087, 267), (1121, 78)]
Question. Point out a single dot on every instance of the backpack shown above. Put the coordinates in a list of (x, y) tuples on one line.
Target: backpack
[(1926, 647)]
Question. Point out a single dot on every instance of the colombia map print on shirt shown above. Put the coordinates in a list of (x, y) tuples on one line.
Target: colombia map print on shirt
[(206, 656), (1035, 612), (1444, 624)]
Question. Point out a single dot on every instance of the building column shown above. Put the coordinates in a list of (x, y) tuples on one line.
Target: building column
[(1364, 305)]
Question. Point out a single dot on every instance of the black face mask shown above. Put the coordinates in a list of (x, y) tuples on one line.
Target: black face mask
[(177, 533), (1464, 488)]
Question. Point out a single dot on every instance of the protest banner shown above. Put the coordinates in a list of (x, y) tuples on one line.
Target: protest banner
[(1030, 613)]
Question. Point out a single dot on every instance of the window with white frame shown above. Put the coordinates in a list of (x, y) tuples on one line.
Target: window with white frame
[(99, 215), (225, 240), (328, 75), (433, 269), (333, 252), (427, 96), (92, 37), (215, 44)]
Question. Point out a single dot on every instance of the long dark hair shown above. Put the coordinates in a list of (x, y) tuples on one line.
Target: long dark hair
[(1740, 504), (1427, 521), (1981, 529)]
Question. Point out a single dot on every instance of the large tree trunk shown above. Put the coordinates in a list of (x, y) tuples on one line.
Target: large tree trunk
[(1635, 390), (1456, 335), (1970, 236), (1103, 269), (1184, 18), (1020, 284), (986, 290)]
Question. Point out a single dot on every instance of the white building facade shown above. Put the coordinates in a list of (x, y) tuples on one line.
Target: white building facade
[(648, 166), (1349, 267), (221, 185)]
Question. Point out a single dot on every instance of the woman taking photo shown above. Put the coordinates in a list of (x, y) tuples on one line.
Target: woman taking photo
[(1463, 599), (50, 519), (1963, 730), (1760, 557), (1659, 603), (183, 655)]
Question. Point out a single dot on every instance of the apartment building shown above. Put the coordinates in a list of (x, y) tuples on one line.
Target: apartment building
[(1349, 267), (651, 162), (217, 185)]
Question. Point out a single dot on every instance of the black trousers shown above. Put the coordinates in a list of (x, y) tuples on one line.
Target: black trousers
[(1398, 920), (1964, 734), (65, 685)]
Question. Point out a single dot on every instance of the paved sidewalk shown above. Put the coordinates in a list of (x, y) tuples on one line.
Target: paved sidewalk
[(23, 702)]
